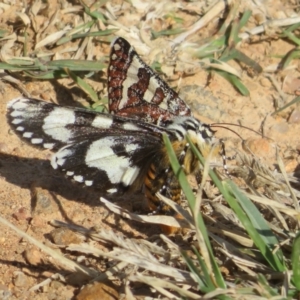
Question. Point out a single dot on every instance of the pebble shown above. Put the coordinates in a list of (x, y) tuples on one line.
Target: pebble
[(291, 165), (3, 148), (64, 236), (93, 291), (5, 293), (281, 127), (20, 279), (22, 214), (33, 256), (41, 199), (260, 147), (295, 117), (265, 82)]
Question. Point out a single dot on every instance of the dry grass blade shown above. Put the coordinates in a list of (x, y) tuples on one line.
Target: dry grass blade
[(59, 258), (52, 38), (110, 237), (137, 260), (214, 12), (159, 283), (154, 219)]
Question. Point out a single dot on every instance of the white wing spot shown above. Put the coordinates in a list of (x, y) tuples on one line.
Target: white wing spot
[(48, 145), (18, 103), (88, 182), (59, 158), (102, 121), (17, 121), (54, 125), (118, 169), (12, 102), (117, 47), (20, 128), (78, 178), (131, 147), (114, 57), (111, 191), (17, 113), (36, 141), (28, 135), (70, 173), (130, 126)]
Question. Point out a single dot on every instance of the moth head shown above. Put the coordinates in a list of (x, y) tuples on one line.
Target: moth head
[(200, 133)]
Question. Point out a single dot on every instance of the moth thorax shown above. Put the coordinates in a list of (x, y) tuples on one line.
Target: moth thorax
[(198, 131)]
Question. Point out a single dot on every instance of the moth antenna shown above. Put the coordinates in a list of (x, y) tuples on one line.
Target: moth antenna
[(220, 125)]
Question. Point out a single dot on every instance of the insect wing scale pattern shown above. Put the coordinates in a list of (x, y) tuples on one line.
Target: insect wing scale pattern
[(122, 151), (135, 90)]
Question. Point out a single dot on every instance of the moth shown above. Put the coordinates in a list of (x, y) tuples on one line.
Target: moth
[(122, 151)]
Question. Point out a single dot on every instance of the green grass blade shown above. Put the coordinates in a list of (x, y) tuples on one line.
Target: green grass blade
[(295, 100), (296, 261), (191, 200), (291, 36), (268, 292), (196, 271), (94, 14), (234, 81), (205, 281), (83, 85), (47, 74), (84, 35), (291, 55), (245, 18), (241, 57), (261, 236), (76, 65), (7, 66), (259, 223), (291, 28), (157, 34)]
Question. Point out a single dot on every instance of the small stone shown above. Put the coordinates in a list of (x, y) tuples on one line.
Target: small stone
[(33, 257), (56, 284), (64, 236), (265, 82), (295, 116), (22, 214), (291, 165), (41, 199), (281, 127), (93, 291), (20, 279), (3, 148), (5, 293), (260, 147)]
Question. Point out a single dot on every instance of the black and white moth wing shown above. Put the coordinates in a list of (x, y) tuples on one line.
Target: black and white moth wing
[(42, 124), (114, 164), (100, 150)]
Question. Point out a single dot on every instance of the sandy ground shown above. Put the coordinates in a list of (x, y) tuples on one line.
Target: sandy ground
[(32, 194)]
